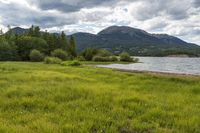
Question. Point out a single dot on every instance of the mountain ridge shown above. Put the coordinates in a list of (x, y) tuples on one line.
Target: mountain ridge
[(135, 41)]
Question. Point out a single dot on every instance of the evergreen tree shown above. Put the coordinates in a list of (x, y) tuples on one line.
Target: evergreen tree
[(72, 49), (64, 41), (8, 35), (37, 32), (27, 43), (45, 35), (8, 50), (34, 31), (1, 32), (51, 41), (31, 31)]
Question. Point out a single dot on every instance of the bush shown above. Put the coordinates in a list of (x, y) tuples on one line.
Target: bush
[(80, 58), (104, 59), (89, 53), (101, 59), (74, 63), (135, 60), (113, 58), (104, 53), (36, 56), (52, 60), (59, 53), (71, 63), (125, 57)]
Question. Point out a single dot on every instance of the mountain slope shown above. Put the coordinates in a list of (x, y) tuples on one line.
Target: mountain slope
[(18, 30), (136, 42)]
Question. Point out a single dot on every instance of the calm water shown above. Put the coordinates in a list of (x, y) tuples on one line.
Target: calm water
[(162, 64)]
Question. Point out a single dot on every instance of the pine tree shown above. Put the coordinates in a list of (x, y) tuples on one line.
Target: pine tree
[(51, 42), (37, 31), (1, 32), (8, 35), (34, 31), (64, 43), (72, 49), (31, 31)]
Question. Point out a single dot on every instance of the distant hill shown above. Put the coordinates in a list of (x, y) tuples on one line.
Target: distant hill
[(19, 30), (135, 41)]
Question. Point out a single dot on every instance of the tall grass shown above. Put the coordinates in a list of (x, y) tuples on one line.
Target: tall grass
[(36, 97)]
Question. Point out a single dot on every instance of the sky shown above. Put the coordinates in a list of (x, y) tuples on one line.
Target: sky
[(180, 18)]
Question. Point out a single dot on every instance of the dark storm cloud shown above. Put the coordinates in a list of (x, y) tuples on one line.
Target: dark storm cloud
[(20, 15), (71, 5), (175, 9), (196, 3)]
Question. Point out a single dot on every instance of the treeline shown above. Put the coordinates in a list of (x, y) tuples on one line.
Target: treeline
[(35, 45), (18, 47)]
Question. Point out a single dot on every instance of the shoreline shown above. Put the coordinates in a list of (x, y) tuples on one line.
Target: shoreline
[(151, 72)]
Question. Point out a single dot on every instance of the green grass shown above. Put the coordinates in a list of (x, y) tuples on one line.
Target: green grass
[(41, 98)]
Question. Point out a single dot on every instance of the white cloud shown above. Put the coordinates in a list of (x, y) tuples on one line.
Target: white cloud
[(175, 17)]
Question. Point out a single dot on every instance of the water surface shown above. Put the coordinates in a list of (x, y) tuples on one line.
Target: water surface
[(162, 64)]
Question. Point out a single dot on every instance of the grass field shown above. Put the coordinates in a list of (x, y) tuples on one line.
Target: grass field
[(40, 98)]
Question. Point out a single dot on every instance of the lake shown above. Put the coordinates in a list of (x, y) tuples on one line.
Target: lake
[(175, 65)]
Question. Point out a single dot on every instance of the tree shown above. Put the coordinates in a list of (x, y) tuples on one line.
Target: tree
[(36, 56), (72, 49), (30, 31), (1, 32), (8, 34), (50, 41), (63, 38), (8, 51), (37, 32), (27, 43), (34, 31)]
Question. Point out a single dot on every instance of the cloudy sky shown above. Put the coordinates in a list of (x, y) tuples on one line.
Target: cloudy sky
[(175, 17)]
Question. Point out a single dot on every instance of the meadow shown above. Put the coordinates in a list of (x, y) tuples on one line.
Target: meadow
[(41, 98)]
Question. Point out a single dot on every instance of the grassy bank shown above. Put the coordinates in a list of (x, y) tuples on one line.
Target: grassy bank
[(36, 97)]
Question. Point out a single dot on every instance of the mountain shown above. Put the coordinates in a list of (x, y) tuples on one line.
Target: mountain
[(136, 42), (18, 30)]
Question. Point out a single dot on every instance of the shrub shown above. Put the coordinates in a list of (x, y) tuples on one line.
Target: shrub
[(135, 60), (101, 59), (113, 58), (125, 57), (59, 53), (71, 63), (36, 56), (104, 59), (52, 60), (104, 53), (74, 63), (89, 53), (80, 58)]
